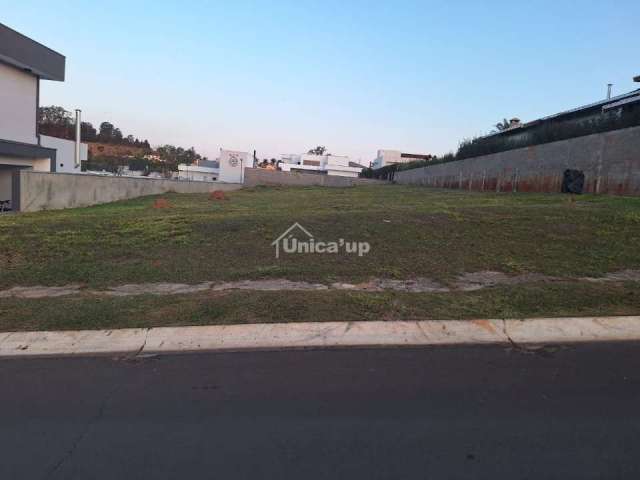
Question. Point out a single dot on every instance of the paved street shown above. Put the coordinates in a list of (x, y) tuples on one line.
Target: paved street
[(481, 412)]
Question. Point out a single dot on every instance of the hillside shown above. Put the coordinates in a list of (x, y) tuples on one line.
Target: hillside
[(99, 149)]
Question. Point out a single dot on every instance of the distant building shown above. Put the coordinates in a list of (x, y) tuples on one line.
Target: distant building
[(65, 153), (339, 165), (202, 171), (391, 157), (227, 168), (232, 164)]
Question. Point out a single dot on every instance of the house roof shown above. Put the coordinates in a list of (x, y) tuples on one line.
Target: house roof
[(356, 165), (601, 103), (26, 54), (621, 99), (209, 163)]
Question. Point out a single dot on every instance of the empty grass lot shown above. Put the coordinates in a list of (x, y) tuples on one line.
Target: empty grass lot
[(413, 232)]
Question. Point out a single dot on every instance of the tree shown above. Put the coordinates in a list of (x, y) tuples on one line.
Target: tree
[(106, 132), (56, 122), (319, 150), (54, 115), (503, 125), (88, 132)]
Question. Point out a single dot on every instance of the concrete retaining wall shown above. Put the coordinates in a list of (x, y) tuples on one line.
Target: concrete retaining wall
[(610, 162), (259, 176), (35, 191)]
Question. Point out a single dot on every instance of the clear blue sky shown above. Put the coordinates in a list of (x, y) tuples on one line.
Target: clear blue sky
[(284, 76)]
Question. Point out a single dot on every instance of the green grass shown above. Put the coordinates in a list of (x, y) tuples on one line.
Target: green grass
[(413, 232), (536, 300)]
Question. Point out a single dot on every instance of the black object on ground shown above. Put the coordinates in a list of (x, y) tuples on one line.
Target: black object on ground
[(573, 181)]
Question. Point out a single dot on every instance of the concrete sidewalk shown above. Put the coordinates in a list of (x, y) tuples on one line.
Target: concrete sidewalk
[(278, 336)]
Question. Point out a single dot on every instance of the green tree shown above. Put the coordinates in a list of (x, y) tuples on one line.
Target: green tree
[(319, 150), (88, 132), (503, 125), (56, 122), (106, 132)]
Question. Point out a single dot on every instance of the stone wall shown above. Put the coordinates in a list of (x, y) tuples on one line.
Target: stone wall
[(610, 162), (260, 176), (35, 191)]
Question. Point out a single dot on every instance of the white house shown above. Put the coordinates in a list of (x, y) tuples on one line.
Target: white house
[(232, 165), (65, 153), (203, 171), (228, 168), (23, 63), (323, 164), (390, 157)]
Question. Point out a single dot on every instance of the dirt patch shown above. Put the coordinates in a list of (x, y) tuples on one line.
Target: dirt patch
[(218, 195), (418, 285), (269, 285), (161, 203), (478, 280), (467, 282), (621, 276), (41, 292), (154, 289)]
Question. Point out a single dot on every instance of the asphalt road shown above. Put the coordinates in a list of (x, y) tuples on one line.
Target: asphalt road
[(481, 412)]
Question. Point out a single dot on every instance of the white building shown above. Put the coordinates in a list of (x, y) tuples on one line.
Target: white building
[(23, 63), (203, 171), (322, 164), (391, 157), (65, 153), (229, 167), (232, 165)]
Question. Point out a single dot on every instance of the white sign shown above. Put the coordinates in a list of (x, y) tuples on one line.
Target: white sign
[(231, 165)]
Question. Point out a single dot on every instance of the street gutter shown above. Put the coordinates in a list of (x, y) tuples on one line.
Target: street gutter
[(282, 336)]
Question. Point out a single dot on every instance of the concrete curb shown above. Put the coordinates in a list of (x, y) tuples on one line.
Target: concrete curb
[(278, 336)]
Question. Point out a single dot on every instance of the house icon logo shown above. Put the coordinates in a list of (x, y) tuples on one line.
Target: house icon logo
[(289, 236), (297, 239)]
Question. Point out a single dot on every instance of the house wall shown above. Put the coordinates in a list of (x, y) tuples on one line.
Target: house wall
[(228, 172), (37, 164), (610, 162), (8, 165), (197, 176), (18, 104), (5, 184), (342, 173), (66, 153), (51, 191)]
